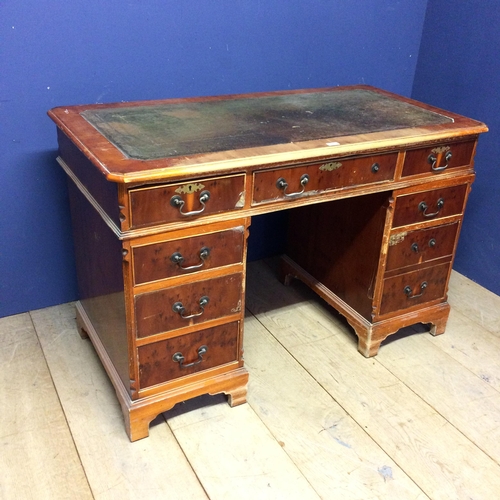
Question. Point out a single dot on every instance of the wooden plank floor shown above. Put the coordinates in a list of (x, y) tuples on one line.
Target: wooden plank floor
[(419, 420)]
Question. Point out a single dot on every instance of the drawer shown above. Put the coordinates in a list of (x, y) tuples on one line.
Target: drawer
[(410, 289), (165, 259), (180, 356), (429, 205), (306, 180), (180, 306), (438, 158), (416, 247), (184, 201)]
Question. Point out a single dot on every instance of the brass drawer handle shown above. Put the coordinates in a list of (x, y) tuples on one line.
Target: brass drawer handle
[(179, 358), (409, 292), (432, 159), (283, 185), (180, 309), (177, 202), (422, 207), (178, 259)]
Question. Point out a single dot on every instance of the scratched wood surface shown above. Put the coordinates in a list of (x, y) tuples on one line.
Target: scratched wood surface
[(420, 420), (252, 130), (184, 129)]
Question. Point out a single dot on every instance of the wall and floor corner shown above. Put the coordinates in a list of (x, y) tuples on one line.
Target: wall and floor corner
[(459, 69), (61, 53)]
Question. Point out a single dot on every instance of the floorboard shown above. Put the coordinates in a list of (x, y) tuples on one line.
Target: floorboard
[(234, 454), (335, 454), (38, 458), (425, 445), (477, 303), (419, 420), (147, 469), (459, 395)]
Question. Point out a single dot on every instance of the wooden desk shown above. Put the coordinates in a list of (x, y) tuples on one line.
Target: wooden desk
[(162, 193)]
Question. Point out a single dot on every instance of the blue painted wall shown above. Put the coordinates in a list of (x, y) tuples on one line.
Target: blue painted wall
[(56, 52), (459, 69)]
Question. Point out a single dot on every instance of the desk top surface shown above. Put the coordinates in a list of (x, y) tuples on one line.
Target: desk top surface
[(145, 140)]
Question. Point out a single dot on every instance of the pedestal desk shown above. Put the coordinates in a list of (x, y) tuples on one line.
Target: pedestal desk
[(162, 193)]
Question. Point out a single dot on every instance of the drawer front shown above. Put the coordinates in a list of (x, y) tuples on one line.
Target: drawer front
[(435, 159), (307, 180), (429, 205), (177, 307), (180, 356), (410, 289), (166, 259), (416, 247), (174, 202)]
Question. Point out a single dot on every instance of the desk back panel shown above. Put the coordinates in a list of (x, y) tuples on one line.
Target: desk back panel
[(339, 243)]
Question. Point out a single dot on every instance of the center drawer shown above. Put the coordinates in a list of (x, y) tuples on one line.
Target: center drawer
[(306, 180), (193, 303)]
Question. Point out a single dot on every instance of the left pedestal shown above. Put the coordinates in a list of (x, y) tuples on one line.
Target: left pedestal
[(163, 309)]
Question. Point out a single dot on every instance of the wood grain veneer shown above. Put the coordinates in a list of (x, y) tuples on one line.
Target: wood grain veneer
[(365, 174)]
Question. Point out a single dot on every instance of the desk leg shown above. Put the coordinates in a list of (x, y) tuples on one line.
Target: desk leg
[(237, 396), (80, 324), (367, 347), (370, 335), (438, 327)]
